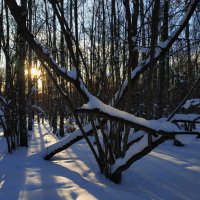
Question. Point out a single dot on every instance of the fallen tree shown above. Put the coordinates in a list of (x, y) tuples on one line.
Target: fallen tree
[(112, 152)]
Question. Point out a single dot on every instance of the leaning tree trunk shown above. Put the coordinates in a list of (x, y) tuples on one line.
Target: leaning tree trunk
[(98, 110)]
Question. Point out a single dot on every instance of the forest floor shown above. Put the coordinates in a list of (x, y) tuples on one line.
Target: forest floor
[(168, 172)]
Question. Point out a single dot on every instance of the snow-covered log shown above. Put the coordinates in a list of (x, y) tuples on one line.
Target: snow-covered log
[(133, 154), (72, 76), (66, 142), (138, 150)]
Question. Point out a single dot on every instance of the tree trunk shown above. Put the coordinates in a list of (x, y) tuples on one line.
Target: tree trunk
[(21, 103)]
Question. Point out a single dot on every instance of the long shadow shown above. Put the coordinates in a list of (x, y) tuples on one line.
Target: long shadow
[(47, 180), (20, 173), (12, 174), (34, 186), (47, 128), (166, 177), (71, 178), (78, 152), (180, 151), (153, 177), (84, 165), (41, 136)]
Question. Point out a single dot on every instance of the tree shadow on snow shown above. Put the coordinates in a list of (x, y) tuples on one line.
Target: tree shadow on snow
[(168, 175)]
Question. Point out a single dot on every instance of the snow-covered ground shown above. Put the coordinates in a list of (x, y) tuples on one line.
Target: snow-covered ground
[(169, 172)]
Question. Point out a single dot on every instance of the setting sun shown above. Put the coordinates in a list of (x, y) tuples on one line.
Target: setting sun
[(34, 71)]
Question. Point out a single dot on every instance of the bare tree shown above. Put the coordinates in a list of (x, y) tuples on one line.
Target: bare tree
[(116, 151)]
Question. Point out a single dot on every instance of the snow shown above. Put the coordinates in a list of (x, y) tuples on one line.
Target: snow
[(62, 69), (161, 45), (155, 125), (65, 140), (135, 135), (2, 119), (142, 49), (134, 149), (191, 102), (1, 113), (186, 139), (189, 117), (72, 74), (45, 50), (2, 99), (169, 172), (40, 110)]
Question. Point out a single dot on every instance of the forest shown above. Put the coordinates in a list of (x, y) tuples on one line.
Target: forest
[(121, 75)]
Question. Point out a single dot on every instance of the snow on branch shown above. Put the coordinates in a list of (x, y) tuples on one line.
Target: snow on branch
[(185, 117), (43, 53), (134, 153), (191, 102), (40, 110), (44, 56), (95, 106), (66, 142), (161, 50)]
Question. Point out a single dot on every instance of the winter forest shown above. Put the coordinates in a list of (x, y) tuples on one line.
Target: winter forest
[(99, 99)]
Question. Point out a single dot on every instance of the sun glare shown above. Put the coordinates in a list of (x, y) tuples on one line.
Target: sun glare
[(34, 71), (39, 83)]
